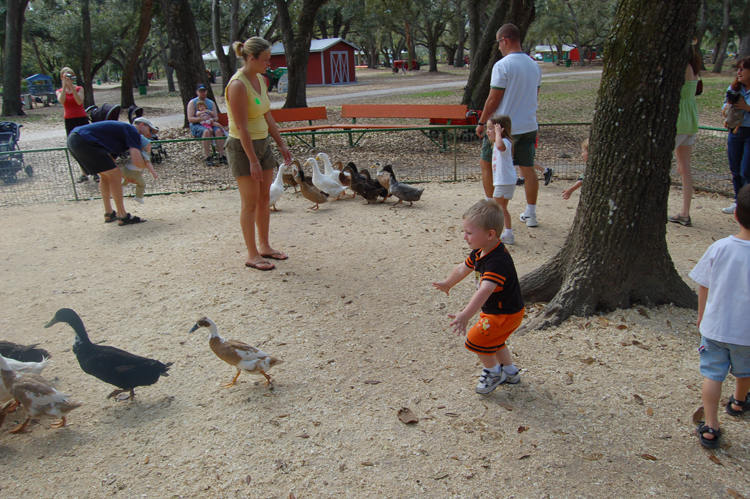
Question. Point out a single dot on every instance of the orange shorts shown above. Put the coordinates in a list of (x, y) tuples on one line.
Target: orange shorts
[(489, 334)]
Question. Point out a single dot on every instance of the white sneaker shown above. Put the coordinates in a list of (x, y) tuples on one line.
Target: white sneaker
[(508, 238), (516, 378), (729, 209), (529, 219), (489, 381), (140, 200)]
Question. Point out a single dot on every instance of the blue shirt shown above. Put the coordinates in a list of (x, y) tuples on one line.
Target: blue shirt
[(114, 136)]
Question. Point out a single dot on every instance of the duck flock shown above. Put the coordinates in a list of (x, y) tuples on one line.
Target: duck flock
[(23, 386), (332, 183)]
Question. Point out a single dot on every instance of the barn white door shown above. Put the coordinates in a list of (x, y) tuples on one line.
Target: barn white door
[(340, 67)]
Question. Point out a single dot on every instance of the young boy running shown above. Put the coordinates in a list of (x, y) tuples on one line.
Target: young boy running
[(498, 296), (723, 274)]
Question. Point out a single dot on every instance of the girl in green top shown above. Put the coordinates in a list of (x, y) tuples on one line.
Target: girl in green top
[(687, 127), (251, 160)]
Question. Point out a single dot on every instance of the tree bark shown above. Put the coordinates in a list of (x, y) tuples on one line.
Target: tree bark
[(86, 76), (519, 12), (14, 19), (721, 49), (184, 50), (227, 61), (616, 254), (168, 70), (131, 60), (297, 47)]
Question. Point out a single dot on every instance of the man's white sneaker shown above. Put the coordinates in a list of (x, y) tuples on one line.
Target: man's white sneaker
[(529, 219), (139, 200), (729, 209), (508, 239), (489, 381)]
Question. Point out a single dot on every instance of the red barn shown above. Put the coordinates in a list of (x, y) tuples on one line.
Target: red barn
[(331, 61)]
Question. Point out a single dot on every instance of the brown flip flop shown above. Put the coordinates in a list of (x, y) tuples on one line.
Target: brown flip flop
[(278, 255), (258, 265)]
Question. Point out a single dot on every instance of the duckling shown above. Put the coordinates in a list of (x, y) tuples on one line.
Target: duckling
[(323, 183), (310, 191), (277, 188), (111, 365), (23, 353), (238, 354), (36, 395), (402, 191), (21, 367), (330, 171), (375, 185)]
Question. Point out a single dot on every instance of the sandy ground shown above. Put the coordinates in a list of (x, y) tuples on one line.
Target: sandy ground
[(604, 408)]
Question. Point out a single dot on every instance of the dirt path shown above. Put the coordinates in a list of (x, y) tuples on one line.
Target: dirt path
[(604, 408)]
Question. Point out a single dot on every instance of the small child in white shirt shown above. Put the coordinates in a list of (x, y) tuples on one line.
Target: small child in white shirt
[(131, 174), (503, 172), (723, 274)]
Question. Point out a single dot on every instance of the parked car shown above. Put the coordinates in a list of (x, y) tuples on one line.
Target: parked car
[(538, 57)]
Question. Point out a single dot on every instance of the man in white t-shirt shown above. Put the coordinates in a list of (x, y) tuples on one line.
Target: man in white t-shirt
[(514, 87)]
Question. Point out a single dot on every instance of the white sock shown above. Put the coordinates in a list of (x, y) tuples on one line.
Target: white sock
[(522, 178), (545, 170), (494, 370), (510, 370), (508, 232), (488, 199), (530, 209)]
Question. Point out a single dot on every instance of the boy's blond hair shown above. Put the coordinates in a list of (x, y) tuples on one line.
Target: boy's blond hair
[(487, 215), (585, 144)]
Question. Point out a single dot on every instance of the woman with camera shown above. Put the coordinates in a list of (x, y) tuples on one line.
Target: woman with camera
[(71, 97), (738, 142)]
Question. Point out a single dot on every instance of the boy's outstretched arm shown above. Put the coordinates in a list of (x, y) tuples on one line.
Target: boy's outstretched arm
[(475, 304), (458, 274), (702, 298)]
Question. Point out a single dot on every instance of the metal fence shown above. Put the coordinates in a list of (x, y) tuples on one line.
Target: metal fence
[(446, 154)]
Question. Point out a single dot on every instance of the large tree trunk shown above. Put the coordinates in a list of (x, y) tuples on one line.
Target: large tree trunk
[(616, 255), (86, 76), (721, 49), (742, 29), (184, 50), (518, 12), (475, 27), (168, 70), (14, 19), (131, 60), (227, 61), (297, 47)]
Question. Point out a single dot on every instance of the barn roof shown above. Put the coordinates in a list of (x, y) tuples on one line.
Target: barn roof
[(315, 45)]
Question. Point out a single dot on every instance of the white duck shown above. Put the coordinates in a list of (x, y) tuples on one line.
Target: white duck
[(21, 367), (241, 355), (324, 183), (36, 395), (342, 178), (277, 187)]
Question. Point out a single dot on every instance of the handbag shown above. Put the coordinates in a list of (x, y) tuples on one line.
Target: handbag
[(699, 87)]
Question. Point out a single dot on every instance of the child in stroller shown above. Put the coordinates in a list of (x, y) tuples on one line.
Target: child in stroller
[(11, 162)]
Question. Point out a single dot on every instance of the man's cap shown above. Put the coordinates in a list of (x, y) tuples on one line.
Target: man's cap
[(200, 86), (146, 122)]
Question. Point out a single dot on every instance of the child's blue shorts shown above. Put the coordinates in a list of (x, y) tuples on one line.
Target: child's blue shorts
[(718, 359)]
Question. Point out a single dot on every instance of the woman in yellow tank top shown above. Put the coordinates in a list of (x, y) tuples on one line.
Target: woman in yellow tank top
[(251, 160)]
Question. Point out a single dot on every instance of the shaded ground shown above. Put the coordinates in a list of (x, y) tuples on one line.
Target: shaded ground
[(604, 408)]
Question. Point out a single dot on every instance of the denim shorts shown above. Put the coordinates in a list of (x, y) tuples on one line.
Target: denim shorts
[(718, 359)]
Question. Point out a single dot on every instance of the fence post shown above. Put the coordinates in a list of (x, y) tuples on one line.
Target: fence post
[(455, 157)]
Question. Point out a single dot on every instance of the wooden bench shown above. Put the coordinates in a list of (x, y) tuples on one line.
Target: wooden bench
[(308, 114), (407, 111)]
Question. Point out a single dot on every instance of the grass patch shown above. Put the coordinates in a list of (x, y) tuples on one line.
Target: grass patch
[(438, 93)]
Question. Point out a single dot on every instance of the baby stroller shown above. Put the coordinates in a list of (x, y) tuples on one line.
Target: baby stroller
[(106, 112), (157, 150), (11, 163)]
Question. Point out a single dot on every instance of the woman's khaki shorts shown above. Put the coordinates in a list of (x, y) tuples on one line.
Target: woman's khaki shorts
[(239, 163)]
